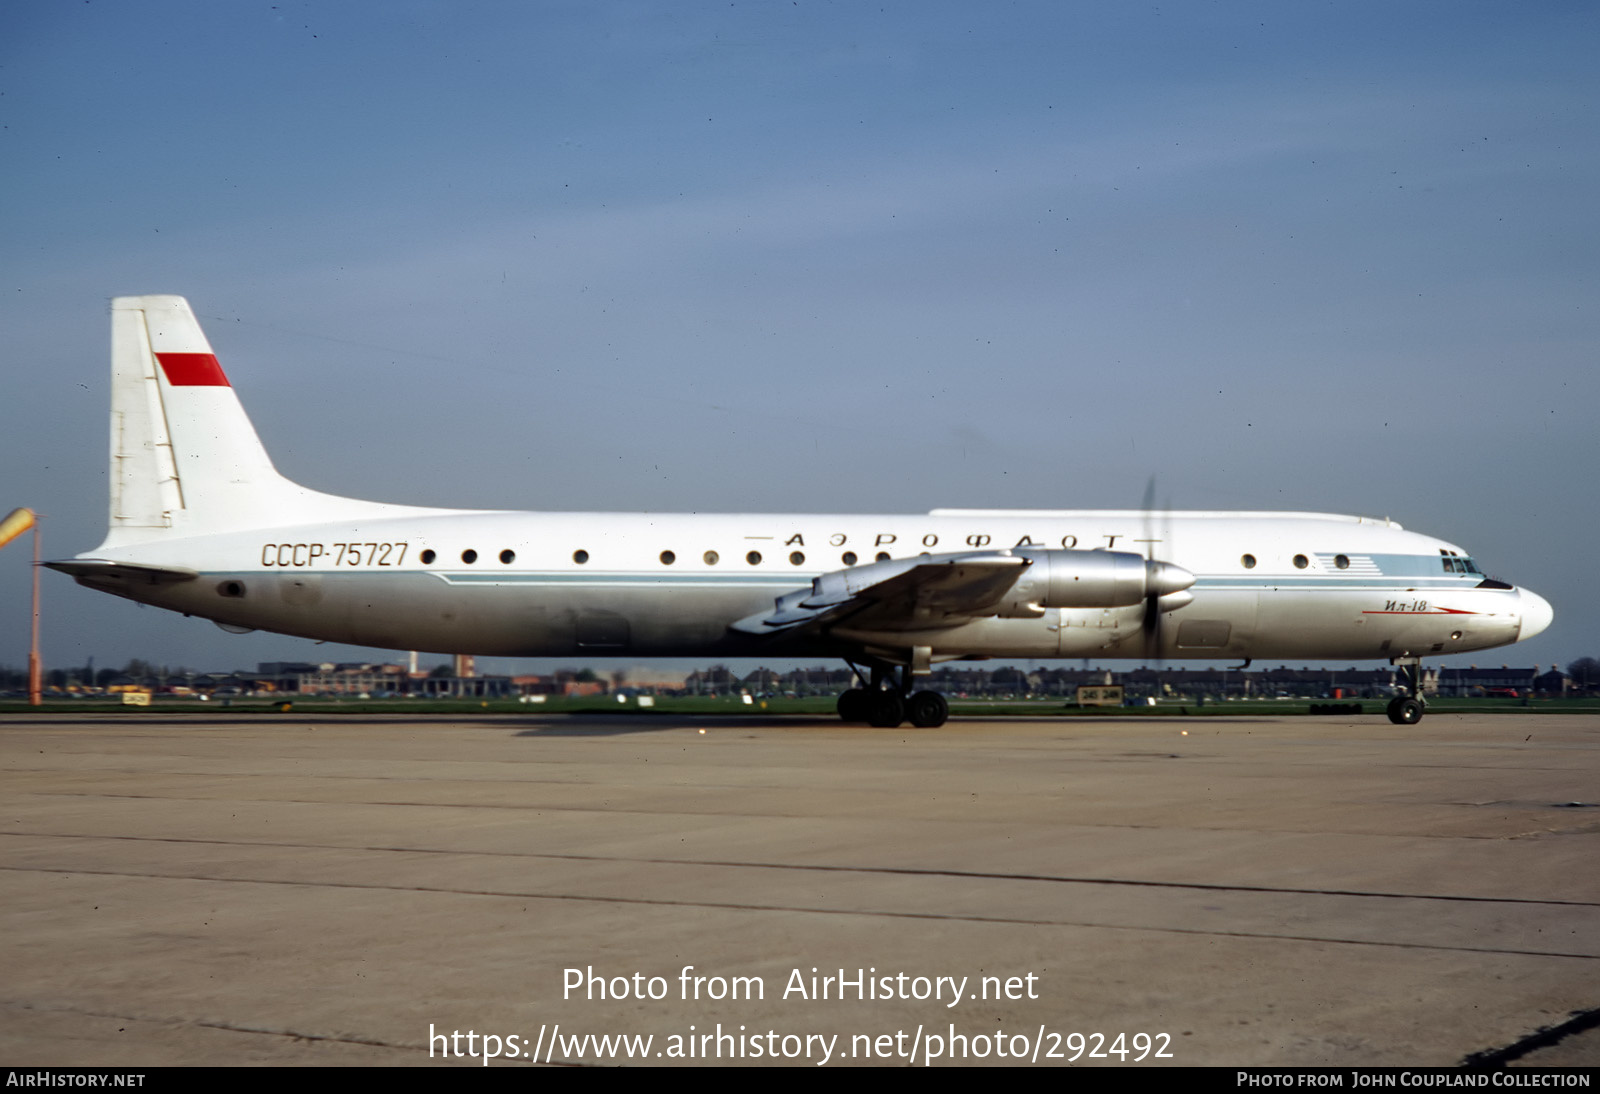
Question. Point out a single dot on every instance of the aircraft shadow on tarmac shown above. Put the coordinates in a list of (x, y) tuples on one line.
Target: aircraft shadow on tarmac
[(606, 725)]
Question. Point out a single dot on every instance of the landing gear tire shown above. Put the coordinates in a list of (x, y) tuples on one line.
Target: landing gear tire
[(854, 704), (1405, 712), (927, 709), (885, 709)]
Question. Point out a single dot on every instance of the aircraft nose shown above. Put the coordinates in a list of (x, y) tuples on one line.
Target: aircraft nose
[(1536, 614)]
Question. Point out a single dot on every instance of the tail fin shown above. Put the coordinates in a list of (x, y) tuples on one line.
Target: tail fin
[(185, 459)]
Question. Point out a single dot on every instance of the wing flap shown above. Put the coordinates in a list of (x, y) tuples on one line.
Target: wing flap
[(929, 591)]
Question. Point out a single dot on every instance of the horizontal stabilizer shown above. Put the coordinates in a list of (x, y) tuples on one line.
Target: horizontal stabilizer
[(99, 571)]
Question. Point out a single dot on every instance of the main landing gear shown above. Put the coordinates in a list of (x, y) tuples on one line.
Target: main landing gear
[(886, 702), (1407, 709)]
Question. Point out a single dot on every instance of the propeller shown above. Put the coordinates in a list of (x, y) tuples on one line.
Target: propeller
[(1150, 625)]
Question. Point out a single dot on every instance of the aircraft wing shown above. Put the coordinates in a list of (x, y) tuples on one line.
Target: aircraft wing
[(905, 594)]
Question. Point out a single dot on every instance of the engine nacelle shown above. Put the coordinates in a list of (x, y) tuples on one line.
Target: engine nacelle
[(1089, 579)]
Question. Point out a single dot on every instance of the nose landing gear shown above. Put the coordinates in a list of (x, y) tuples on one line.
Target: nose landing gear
[(1408, 709), (1405, 711)]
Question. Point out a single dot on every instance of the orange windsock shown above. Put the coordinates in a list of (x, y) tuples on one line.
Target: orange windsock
[(17, 522)]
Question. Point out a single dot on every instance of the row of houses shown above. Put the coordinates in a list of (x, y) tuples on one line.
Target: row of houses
[(1280, 682), (383, 680), (1002, 682)]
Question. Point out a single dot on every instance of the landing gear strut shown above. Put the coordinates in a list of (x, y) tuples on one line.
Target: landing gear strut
[(1407, 709), (885, 701)]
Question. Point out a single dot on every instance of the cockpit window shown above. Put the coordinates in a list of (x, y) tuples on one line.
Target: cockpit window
[(1458, 564)]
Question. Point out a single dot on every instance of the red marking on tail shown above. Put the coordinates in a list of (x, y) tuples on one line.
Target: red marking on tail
[(192, 370)]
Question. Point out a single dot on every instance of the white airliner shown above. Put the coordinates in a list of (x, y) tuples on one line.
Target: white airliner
[(201, 523)]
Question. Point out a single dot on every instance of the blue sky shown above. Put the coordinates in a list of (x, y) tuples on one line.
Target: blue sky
[(821, 256)]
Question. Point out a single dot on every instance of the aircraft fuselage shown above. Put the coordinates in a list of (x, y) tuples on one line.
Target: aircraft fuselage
[(565, 584)]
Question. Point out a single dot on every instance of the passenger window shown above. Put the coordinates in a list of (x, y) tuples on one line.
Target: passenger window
[(508, 557), (753, 558), (668, 558), (796, 557), (848, 558), (1301, 562), (469, 556), (711, 558), (1248, 562), (580, 557), (1342, 561), (428, 556)]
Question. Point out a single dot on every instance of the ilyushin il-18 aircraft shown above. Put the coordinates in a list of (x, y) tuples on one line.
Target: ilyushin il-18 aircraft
[(202, 523)]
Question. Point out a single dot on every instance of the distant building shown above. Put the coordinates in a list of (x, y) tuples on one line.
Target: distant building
[(359, 678), (1554, 683), (463, 687), (716, 680), (1475, 682)]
